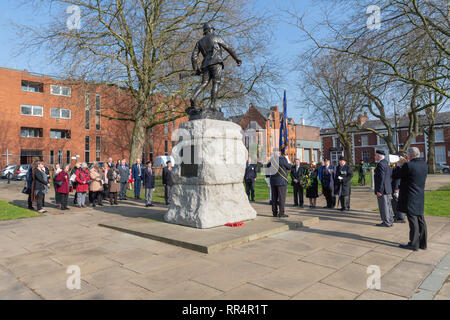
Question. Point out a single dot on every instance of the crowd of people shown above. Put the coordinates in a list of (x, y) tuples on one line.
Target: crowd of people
[(93, 183), (399, 188)]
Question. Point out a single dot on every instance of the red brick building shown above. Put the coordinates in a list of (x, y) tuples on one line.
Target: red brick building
[(364, 143), (63, 121), (262, 127)]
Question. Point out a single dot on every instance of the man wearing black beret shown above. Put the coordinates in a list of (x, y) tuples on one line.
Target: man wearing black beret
[(383, 189)]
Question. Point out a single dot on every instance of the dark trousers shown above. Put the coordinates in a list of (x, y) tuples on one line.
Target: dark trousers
[(167, 190), (40, 200), (63, 198), (250, 189), (137, 187), (298, 195), (345, 202), (417, 231), (30, 203), (96, 197), (362, 179), (113, 197), (123, 190), (278, 197), (397, 214), (330, 197)]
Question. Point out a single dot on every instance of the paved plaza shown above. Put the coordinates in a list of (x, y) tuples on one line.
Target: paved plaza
[(325, 260)]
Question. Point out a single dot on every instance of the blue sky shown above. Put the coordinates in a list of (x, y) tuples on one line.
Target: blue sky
[(285, 43)]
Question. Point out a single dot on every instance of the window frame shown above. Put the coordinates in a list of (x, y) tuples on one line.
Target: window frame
[(40, 130), (52, 86), (32, 110), (60, 113)]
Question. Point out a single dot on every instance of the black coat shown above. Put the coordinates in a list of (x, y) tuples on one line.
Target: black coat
[(413, 175), (167, 177), (343, 187), (148, 179), (250, 172), (383, 177), (313, 190), (328, 177), (280, 178), (40, 180), (297, 174)]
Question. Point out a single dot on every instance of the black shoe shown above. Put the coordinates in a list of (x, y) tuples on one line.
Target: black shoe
[(283, 215), (151, 205), (423, 248), (301, 206), (146, 205), (270, 202), (399, 221), (275, 214), (383, 225), (408, 247), (341, 209), (30, 208)]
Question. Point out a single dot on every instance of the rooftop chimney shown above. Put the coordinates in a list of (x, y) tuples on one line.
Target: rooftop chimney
[(302, 121), (363, 118)]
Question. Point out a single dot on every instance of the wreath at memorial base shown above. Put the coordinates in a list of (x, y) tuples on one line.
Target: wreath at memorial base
[(305, 181)]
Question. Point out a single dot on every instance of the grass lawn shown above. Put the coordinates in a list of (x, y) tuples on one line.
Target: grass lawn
[(9, 211), (437, 203)]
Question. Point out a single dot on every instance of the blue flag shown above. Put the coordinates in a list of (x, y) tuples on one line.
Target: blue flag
[(284, 140)]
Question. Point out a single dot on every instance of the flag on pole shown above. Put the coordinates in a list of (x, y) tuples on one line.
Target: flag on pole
[(284, 140)]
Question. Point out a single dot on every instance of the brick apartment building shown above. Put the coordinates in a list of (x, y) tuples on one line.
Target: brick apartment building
[(364, 143), (63, 121), (262, 131)]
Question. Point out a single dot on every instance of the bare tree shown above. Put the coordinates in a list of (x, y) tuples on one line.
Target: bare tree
[(144, 46), (327, 88)]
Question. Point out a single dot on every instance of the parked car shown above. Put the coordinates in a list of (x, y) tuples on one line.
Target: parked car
[(20, 173), (9, 169), (160, 161), (443, 167)]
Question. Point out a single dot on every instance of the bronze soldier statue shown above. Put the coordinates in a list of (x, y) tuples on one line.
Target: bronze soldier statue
[(210, 46)]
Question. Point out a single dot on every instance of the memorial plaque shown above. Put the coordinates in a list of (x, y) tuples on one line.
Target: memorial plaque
[(189, 170)]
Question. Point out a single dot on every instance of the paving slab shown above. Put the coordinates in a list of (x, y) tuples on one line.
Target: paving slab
[(209, 240), (121, 290), (293, 278), (328, 259), (385, 261), (188, 290), (227, 277), (109, 276), (352, 277), (445, 290), (378, 295), (249, 291), (320, 291), (405, 278)]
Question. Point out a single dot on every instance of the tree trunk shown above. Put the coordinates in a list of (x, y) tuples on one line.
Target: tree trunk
[(138, 139), (431, 159)]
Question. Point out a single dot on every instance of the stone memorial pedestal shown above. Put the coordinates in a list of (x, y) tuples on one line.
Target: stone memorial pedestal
[(209, 191)]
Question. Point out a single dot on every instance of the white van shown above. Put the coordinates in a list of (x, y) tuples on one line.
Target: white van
[(160, 161)]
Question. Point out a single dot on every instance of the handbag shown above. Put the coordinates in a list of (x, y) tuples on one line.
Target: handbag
[(57, 183)]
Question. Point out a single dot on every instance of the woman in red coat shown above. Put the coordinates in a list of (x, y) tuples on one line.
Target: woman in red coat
[(83, 179), (63, 190)]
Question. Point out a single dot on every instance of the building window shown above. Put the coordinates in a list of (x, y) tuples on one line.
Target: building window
[(336, 142), (381, 141), (440, 154), (52, 157), (59, 134), (166, 128), (68, 156), (35, 111), (151, 150), (97, 112), (31, 86), (97, 148), (166, 147), (87, 147), (60, 91), (439, 135), (87, 115), (60, 157), (60, 113), (365, 155), (364, 141), (31, 132), (173, 125)]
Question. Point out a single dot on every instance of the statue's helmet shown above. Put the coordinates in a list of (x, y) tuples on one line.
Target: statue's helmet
[(207, 27)]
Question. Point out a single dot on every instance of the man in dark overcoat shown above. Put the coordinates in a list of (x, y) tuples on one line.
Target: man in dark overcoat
[(413, 175), (342, 183)]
